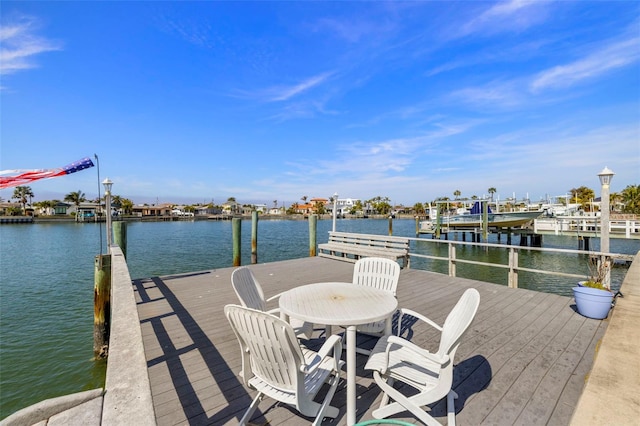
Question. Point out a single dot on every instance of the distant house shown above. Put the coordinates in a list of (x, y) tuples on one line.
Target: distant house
[(205, 210), (304, 208), (61, 208), (343, 206), (155, 211), (86, 211), (231, 208), (4, 208), (260, 208)]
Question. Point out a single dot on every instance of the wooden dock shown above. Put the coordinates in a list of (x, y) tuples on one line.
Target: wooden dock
[(523, 361)]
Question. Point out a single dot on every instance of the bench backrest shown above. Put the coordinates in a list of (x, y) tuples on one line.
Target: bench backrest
[(387, 241)]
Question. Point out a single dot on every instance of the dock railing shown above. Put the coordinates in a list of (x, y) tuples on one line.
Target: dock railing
[(586, 225), (513, 265)]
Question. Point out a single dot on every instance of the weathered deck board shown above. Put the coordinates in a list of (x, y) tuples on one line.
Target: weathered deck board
[(523, 361)]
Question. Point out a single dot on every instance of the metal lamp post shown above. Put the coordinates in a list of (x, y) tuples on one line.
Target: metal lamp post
[(335, 209), (107, 194), (605, 180)]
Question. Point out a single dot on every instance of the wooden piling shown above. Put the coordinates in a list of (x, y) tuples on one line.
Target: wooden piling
[(254, 237), (390, 225), (313, 235), (120, 235), (485, 221), (236, 234), (101, 305)]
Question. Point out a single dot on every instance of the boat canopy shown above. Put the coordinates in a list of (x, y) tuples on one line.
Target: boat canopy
[(477, 208)]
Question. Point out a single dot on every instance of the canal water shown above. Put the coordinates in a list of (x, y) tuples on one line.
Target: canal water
[(46, 284)]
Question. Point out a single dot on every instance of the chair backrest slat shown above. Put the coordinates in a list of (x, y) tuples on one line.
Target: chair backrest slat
[(377, 272), (275, 355), (458, 321), (248, 289)]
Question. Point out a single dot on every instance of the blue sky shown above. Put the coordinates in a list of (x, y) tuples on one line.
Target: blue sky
[(192, 101)]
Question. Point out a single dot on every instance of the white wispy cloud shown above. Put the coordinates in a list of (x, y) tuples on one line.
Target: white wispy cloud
[(495, 94), (506, 16), (603, 60), (283, 93), (20, 44)]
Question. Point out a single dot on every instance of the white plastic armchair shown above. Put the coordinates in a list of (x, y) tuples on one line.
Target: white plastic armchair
[(431, 374), (380, 273), (250, 294), (274, 363)]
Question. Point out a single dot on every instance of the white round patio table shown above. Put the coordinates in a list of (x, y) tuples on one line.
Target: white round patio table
[(344, 304)]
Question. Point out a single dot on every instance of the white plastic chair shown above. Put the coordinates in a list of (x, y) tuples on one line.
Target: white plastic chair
[(380, 273), (274, 363), (250, 294), (431, 374)]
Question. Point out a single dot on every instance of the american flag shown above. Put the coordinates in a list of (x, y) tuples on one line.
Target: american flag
[(9, 178)]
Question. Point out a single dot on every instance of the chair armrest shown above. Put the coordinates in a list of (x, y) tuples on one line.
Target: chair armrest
[(274, 297), (399, 341), (274, 311), (405, 311), (333, 342)]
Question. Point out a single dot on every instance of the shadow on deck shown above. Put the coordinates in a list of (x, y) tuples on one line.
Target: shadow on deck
[(524, 359)]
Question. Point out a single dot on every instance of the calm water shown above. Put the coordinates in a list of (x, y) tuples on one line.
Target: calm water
[(46, 284)]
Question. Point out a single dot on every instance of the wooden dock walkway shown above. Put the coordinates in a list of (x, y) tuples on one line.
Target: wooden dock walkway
[(523, 361)]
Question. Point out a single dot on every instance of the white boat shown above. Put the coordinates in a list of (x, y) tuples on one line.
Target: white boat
[(474, 218)]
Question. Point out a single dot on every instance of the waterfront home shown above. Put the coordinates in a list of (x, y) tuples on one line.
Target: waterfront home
[(157, 211)]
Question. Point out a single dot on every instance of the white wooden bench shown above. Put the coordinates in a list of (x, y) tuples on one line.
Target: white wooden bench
[(350, 247)]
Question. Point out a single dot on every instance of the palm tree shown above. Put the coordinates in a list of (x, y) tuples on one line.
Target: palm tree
[(76, 198), (631, 199), (304, 199), (21, 193), (582, 195), (492, 191), (126, 205), (457, 193), (47, 206)]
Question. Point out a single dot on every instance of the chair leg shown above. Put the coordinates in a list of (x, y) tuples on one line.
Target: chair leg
[(385, 396), (451, 408), (252, 408), (402, 403), (327, 410)]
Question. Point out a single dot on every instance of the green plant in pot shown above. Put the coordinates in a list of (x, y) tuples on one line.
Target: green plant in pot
[(594, 297)]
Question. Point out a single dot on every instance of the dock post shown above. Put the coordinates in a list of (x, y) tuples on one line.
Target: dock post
[(254, 237), (418, 226), (101, 305), (524, 240), (236, 231), (390, 225), (120, 236), (485, 221), (313, 234), (536, 240), (508, 236)]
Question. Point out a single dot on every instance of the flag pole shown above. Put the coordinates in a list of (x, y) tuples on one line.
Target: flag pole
[(98, 167)]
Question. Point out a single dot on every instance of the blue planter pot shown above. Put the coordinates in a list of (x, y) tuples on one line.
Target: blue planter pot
[(593, 303)]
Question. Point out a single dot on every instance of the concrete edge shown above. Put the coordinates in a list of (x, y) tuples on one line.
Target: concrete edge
[(49, 407), (127, 398), (611, 392)]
